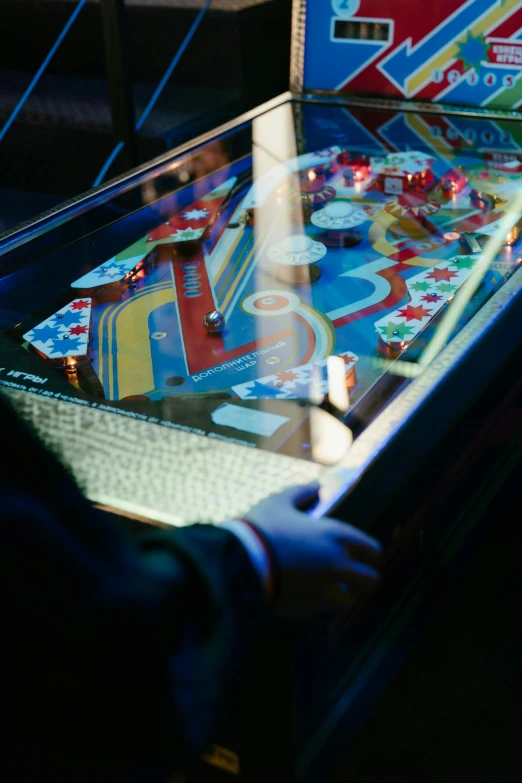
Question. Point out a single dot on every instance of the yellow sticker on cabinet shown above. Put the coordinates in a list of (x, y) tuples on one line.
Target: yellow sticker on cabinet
[(223, 758)]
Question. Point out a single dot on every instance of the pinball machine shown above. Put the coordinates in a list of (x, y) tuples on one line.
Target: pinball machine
[(327, 288)]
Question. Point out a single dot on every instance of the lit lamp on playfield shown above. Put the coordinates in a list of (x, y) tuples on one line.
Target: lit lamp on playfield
[(512, 236), (338, 219)]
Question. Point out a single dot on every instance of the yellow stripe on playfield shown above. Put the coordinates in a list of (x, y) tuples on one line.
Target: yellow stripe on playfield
[(228, 256), (251, 248), (261, 240), (160, 294), (107, 317), (134, 360), (451, 52)]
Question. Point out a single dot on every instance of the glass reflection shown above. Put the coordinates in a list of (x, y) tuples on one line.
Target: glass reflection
[(316, 257)]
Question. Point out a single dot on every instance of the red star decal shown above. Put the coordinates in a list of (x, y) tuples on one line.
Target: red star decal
[(78, 330), (348, 359), (286, 376), (431, 298), (79, 305), (414, 313), (441, 274)]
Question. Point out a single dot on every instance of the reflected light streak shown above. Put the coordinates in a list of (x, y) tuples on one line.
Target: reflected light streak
[(337, 391), (273, 143), (469, 288), (316, 384), (330, 438)]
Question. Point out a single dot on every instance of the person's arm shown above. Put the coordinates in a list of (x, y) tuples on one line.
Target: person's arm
[(133, 648), (137, 645)]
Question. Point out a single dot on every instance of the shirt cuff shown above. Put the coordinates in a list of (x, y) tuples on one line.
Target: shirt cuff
[(257, 551)]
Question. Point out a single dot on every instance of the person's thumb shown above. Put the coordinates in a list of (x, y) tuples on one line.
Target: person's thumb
[(304, 496)]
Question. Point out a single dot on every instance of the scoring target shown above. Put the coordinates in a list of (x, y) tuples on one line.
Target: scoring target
[(270, 303), (297, 250)]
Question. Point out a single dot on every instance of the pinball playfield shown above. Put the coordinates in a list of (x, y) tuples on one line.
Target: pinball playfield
[(241, 292)]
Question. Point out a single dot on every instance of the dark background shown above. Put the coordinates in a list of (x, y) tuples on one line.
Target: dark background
[(453, 713), (237, 59)]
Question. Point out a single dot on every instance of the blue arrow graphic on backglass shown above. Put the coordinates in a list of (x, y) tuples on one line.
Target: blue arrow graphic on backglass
[(402, 63)]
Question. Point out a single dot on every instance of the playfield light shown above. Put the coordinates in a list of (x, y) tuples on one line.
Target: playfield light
[(512, 236)]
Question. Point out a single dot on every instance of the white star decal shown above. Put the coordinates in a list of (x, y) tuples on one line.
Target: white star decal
[(195, 214), (187, 235)]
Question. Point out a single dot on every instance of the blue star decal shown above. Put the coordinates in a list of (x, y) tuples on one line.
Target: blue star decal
[(472, 51), (64, 346), (69, 318), (300, 390), (260, 391), (44, 333), (105, 272)]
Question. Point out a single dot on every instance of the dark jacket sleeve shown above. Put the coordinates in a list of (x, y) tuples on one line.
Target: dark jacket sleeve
[(114, 650)]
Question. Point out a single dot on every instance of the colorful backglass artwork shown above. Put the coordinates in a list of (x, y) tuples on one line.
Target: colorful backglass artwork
[(463, 52)]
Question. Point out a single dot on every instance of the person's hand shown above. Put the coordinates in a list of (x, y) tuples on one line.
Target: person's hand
[(322, 564)]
